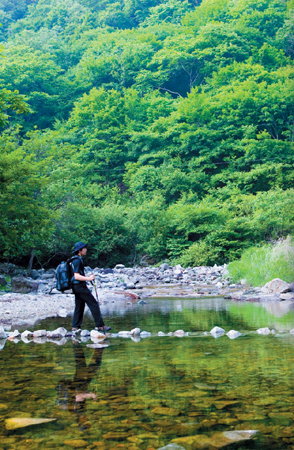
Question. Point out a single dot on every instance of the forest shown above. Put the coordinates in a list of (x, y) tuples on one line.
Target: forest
[(153, 130)]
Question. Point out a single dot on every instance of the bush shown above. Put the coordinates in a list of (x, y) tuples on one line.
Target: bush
[(258, 265)]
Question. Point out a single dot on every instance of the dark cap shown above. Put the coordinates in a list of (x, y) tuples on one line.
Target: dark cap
[(79, 246)]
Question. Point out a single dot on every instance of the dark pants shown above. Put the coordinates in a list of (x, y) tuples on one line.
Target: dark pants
[(83, 296)]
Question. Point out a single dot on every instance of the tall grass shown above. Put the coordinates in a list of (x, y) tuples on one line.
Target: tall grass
[(258, 265)]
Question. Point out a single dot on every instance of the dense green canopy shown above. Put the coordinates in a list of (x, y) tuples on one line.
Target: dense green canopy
[(159, 128)]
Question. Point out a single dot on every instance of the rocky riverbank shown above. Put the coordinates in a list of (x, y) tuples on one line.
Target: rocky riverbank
[(29, 298)]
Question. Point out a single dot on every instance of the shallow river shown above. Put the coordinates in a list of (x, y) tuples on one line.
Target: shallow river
[(142, 395)]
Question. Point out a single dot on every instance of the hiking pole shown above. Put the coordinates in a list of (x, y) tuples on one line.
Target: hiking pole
[(96, 291)]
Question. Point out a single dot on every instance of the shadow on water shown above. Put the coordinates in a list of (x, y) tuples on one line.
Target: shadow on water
[(143, 395)]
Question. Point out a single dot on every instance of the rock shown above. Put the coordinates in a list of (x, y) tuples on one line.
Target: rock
[(15, 423), (135, 332), (124, 334), (276, 286), (179, 333), (232, 334), (76, 443), (163, 267), (219, 285), (264, 331), (62, 312), (14, 334), (58, 333), (26, 334), (217, 331), (39, 333), (136, 339), (3, 335), (119, 266), (292, 331), (145, 334), (34, 274), (23, 285), (172, 447), (287, 296), (3, 281), (97, 345), (217, 440), (85, 333), (97, 335), (160, 333)]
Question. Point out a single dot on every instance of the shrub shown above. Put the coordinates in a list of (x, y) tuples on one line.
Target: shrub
[(258, 265)]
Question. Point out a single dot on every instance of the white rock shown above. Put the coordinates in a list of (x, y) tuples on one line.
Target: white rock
[(26, 334), (135, 332), (232, 334), (97, 335), (160, 333), (145, 334), (14, 333), (39, 333), (292, 331), (170, 333), (179, 333), (58, 333), (97, 345), (124, 334), (276, 285), (219, 285), (172, 446), (265, 331), (85, 333), (217, 331), (287, 296), (62, 312)]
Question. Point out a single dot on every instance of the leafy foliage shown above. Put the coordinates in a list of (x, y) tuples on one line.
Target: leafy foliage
[(146, 128)]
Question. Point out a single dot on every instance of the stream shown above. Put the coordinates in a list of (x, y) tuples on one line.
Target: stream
[(142, 394)]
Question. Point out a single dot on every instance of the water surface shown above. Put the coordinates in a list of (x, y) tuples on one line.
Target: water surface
[(142, 395)]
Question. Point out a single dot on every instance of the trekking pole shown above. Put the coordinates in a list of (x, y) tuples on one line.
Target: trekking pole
[(97, 298)]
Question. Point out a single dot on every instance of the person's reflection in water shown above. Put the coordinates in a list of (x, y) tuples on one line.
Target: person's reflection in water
[(72, 395)]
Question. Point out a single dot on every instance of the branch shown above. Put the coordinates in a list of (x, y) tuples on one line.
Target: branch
[(171, 92)]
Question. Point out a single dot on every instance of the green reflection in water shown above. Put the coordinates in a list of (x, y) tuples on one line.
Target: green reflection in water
[(142, 395)]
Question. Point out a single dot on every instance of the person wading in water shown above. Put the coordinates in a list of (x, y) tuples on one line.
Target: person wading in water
[(82, 293)]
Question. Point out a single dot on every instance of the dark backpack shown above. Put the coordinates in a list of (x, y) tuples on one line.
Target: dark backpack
[(64, 275)]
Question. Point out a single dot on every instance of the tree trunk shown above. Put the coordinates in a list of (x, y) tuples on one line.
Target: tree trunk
[(32, 255)]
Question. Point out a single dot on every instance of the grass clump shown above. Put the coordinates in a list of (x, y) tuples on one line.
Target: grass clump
[(258, 265)]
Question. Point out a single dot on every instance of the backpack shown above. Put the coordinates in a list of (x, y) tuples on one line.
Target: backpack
[(64, 275)]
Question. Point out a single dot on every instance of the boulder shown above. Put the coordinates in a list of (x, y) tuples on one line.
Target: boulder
[(179, 333), (276, 286), (58, 333), (287, 296), (233, 334), (23, 285), (264, 331), (97, 335), (217, 332), (135, 332), (85, 333), (145, 334), (160, 333), (39, 333), (15, 422), (3, 281), (124, 334), (26, 334)]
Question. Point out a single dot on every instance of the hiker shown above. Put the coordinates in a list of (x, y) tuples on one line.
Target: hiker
[(82, 293)]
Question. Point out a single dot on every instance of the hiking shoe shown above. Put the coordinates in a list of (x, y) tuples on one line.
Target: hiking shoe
[(103, 329), (76, 330)]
